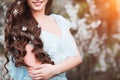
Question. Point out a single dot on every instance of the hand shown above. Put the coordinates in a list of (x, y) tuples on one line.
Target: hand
[(43, 72)]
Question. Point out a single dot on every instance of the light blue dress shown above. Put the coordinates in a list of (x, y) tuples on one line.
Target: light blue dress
[(58, 48)]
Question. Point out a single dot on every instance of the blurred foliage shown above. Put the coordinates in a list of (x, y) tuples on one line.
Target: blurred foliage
[(82, 9), (108, 14)]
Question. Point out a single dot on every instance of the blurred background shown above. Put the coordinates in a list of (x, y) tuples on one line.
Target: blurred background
[(96, 29)]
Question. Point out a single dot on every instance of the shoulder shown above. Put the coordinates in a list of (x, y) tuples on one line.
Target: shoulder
[(60, 17), (57, 15), (63, 20)]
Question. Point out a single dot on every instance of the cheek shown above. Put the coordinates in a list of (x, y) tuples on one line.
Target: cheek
[(45, 1), (29, 2)]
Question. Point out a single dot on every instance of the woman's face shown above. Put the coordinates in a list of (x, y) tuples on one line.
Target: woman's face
[(37, 5)]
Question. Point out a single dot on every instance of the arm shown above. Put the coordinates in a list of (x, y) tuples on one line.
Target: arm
[(46, 71), (70, 62)]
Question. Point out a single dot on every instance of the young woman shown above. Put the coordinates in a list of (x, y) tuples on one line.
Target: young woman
[(38, 46)]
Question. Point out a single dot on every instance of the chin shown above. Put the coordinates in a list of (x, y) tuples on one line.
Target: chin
[(37, 5), (37, 9)]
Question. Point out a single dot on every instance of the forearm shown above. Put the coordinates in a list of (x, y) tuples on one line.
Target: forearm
[(68, 64)]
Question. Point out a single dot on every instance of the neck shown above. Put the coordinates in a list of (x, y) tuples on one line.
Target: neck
[(38, 14)]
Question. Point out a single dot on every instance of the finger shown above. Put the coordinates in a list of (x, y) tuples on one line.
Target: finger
[(29, 68), (35, 72), (35, 75), (38, 78), (41, 66)]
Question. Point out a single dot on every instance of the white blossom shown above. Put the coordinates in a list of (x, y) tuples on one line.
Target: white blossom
[(38, 25), (92, 6), (32, 37), (15, 12), (116, 36), (19, 2), (24, 28)]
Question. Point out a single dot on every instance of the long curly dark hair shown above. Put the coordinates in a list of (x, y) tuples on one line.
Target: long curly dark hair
[(21, 29)]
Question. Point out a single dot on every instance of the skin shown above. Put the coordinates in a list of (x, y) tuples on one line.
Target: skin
[(46, 71)]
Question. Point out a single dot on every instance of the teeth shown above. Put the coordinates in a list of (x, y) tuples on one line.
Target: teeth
[(39, 2)]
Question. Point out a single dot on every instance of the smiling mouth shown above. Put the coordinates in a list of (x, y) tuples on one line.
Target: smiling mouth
[(37, 3)]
